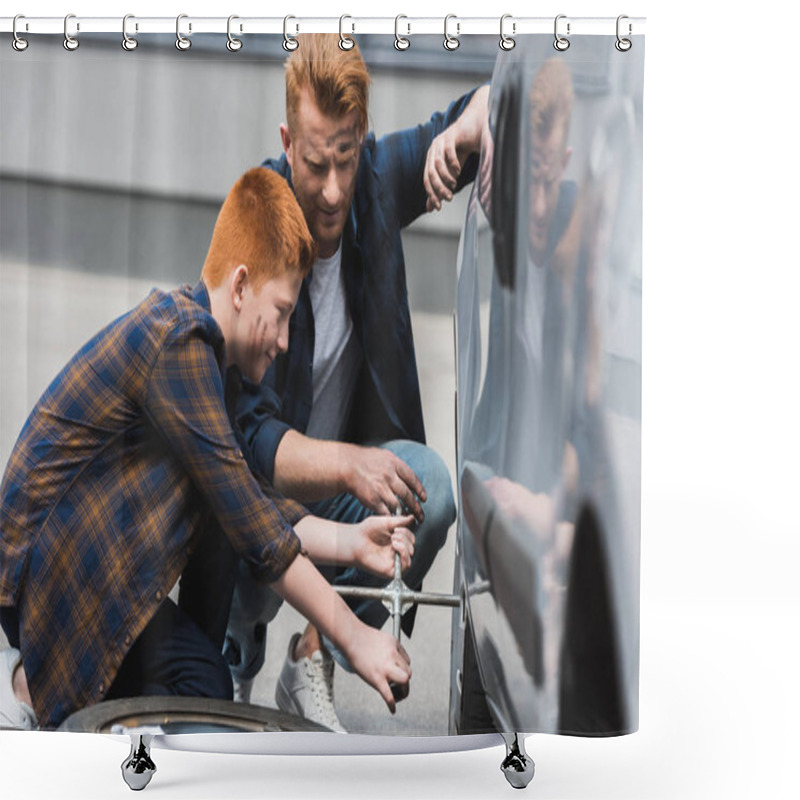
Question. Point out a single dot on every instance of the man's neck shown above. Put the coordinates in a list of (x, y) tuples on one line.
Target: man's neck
[(329, 250)]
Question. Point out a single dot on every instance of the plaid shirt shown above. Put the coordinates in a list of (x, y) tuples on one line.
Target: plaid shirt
[(116, 469)]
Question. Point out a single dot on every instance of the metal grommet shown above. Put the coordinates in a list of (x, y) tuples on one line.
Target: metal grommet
[(507, 42), (623, 45), (289, 42), (400, 42), (70, 42), (18, 43), (451, 42), (345, 42), (128, 42), (233, 44), (181, 42), (561, 43)]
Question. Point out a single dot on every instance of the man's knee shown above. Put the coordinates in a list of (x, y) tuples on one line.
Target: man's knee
[(440, 505)]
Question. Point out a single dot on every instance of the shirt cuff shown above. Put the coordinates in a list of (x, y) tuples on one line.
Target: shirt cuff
[(266, 446), (277, 557)]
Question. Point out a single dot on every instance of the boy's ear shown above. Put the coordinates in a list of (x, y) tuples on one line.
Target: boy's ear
[(239, 280)]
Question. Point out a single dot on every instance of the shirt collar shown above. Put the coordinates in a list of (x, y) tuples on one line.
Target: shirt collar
[(199, 293)]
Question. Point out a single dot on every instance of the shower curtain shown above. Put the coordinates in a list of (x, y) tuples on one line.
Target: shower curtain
[(113, 167)]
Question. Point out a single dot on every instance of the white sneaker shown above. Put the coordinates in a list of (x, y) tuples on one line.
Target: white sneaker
[(305, 687), (14, 714), (242, 689)]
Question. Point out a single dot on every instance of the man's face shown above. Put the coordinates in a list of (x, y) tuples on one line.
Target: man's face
[(261, 324), (323, 153), (548, 160)]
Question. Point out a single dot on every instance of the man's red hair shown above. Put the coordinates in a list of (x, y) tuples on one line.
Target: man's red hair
[(337, 79)]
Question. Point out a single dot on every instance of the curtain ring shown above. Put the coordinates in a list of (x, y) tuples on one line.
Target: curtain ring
[(290, 43), (400, 42), (345, 42), (233, 44), (451, 42), (507, 42), (70, 42), (623, 45), (561, 43), (128, 42), (18, 43), (181, 42)]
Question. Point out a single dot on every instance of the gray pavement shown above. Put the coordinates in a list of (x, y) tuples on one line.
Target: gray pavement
[(46, 313)]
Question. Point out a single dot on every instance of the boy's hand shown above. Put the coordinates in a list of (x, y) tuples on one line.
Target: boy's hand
[(379, 538), (380, 659)]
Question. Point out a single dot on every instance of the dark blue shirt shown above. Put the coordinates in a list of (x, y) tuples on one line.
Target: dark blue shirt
[(389, 195)]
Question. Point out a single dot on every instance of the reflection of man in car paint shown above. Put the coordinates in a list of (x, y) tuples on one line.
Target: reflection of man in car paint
[(520, 427), (526, 322), (550, 111)]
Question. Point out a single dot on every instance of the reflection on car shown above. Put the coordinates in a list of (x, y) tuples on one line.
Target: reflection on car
[(549, 409)]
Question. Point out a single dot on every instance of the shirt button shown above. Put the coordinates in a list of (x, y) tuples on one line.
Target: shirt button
[(239, 454), (159, 595), (101, 689), (128, 641)]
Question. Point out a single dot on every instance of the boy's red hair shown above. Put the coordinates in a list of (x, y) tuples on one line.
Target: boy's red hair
[(260, 225)]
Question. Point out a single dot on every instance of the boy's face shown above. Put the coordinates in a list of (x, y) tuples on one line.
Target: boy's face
[(323, 153), (260, 328)]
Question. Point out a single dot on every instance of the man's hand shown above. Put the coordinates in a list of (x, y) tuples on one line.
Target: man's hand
[(442, 168), (382, 482), (380, 659), (379, 538), (451, 148)]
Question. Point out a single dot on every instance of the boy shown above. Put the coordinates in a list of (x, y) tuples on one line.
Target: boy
[(127, 476)]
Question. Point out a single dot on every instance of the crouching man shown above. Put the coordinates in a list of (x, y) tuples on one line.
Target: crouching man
[(128, 476)]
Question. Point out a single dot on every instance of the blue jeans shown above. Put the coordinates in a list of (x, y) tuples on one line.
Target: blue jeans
[(255, 605)]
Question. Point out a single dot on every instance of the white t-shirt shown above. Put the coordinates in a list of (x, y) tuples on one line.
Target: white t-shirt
[(337, 353)]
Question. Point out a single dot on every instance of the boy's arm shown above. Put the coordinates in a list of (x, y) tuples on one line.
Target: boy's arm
[(370, 544), (376, 656), (184, 403)]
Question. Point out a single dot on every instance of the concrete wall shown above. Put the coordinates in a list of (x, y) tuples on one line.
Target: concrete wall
[(142, 147)]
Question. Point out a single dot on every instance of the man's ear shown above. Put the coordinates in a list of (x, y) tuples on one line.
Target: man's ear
[(286, 141), (239, 279)]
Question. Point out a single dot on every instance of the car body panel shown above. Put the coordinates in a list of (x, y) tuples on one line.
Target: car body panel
[(549, 406)]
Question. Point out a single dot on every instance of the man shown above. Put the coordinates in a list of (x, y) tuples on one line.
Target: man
[(349, 380), (127, 476)]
